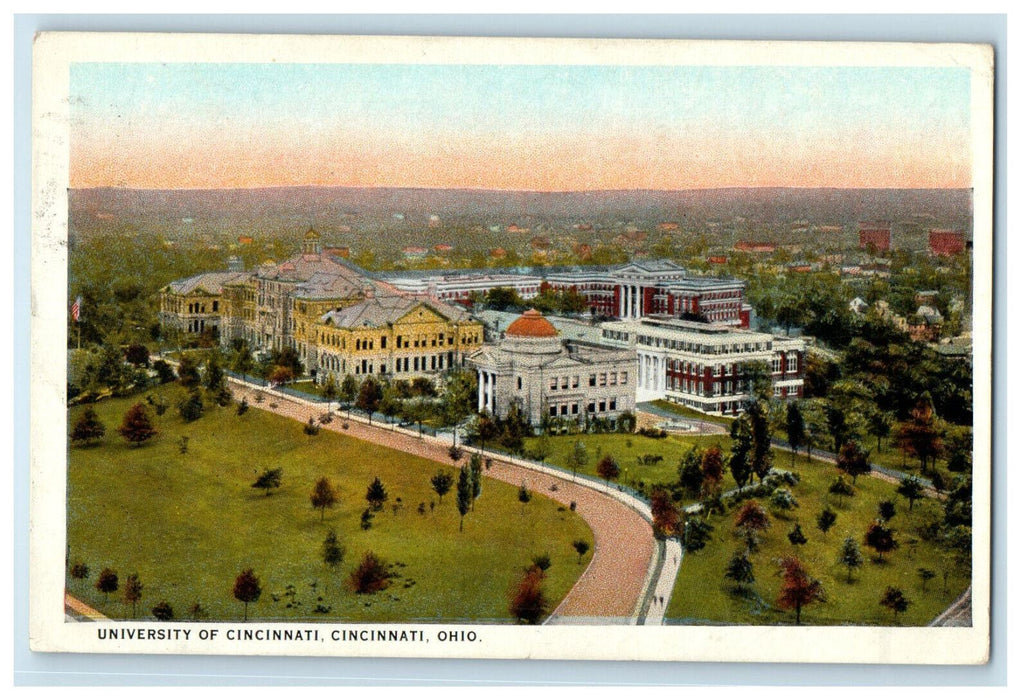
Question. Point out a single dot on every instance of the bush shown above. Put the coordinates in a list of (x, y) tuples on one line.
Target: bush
[(782, 499), (163, 611), (79, 570), (311, 428), (191, 408), (370, 576), (542, 561), (658, 433)]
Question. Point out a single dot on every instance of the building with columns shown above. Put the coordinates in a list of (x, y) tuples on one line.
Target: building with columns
[(630, 290), (699, 365), (549, 376)]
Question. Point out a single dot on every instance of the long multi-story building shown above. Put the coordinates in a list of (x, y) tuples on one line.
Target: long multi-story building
[(338, 319), (701, 365), (631, 290)]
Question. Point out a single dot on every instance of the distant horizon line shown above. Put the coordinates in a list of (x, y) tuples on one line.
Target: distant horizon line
[(512, 191)]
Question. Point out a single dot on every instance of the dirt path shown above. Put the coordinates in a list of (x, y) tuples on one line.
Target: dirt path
[(616, 578)]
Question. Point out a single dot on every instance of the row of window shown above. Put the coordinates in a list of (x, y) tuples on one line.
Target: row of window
[(599, 379), (572, 409)]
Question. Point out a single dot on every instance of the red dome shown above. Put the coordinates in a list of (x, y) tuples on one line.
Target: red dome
[(531, 324)]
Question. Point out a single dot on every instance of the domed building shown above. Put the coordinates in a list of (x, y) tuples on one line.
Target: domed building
[(532, 366)]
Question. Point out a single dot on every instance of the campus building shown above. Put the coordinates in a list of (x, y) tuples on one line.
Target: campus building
[(944, 243), (549, 375), (338, 319), (631, 290), (700, 365), (877, 234)]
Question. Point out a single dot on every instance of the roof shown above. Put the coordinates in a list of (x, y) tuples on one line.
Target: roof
[(532, 324), (206, 282), (382, 310)]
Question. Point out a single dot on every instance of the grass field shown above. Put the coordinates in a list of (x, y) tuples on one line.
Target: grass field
[(626, 449), (702, 593), (189, 523)]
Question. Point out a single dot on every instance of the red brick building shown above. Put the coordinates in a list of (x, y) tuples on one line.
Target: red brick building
[(945, 243), (878, 235)]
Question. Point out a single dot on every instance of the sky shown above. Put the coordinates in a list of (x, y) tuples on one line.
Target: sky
[(546, 128)]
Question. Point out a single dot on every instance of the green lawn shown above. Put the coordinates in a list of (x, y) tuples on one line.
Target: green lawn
[(703, 594), (189, 523), (626, 449), (687, 412)]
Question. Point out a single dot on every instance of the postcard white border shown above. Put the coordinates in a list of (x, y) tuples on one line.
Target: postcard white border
[(53, 55)]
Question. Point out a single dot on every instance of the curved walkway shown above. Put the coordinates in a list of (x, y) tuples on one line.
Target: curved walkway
[(611, 588)]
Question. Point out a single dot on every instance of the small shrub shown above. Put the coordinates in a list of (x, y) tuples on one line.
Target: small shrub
[(310, 428), (79, 570), (542, 561), (163, 611), (370, 576)]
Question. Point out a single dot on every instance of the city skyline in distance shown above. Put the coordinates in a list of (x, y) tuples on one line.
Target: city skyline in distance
[(518, 128)]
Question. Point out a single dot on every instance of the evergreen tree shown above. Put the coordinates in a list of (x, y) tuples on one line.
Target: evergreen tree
[(441, 483), (886, 510), (465, 493), (376, 495), (695, 534), (369, 397), (796, 536), (332, 552), (475, 465), (136, 427), (795, 428), (191, 407), (762, 457), (214, 375), (88, 429), (690, 476), (826, 520), (740, 570), (850, 557), (742, 446), (881, 539)]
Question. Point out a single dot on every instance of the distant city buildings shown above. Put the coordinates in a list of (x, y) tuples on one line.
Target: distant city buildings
[(944, 243), (876, 234)]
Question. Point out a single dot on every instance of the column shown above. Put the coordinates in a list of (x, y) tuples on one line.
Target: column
[(481, 390), (621, 301), (492, 392)]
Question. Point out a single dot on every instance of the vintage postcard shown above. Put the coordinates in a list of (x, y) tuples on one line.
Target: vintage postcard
[(511, 348)]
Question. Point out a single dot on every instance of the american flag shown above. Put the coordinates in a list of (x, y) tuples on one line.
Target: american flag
[(76, 309)]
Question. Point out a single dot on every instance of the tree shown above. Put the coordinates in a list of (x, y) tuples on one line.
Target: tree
[(542, 561), (666, 515), (348, 390), (280, 374), (524, 496), (690, 476), (459, 399), (243, 407), (324, 495), (163, 611), (826, 520), (247, 589), (137, 355), (376, 495), (197, 611), (107, 582), (852, 459), (577, 458), (214, 378), (191, 407), (894, 599), (607, 469), (925, 575), (268, 480), (762, 458), (417, 411), (752, 517), (755, 375), (165, 373), (332, 552), (798, 588), (795, 428), (369, 397), (879, 424), (79, 570), (390, 405), (740, 570), (742, 447), (796, 536), (329, 390), (920, 436), (133, 592), (850, 557), (136, 426), (475, 465), (367, 517), (581, 547), (910, 488), (188, 372), (465, 494), (88, 429), (712, 468), (695, 534), (441, 483), (782, 499), (881, 539), (371, 575), (840, 488), (528, 604), (886, 510), (837, 427)]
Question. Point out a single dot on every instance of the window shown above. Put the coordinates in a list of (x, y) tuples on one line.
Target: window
[(793, 361), (603, 406), (776, 364), (717, 370), (519, 383), (603, 379), (574, 382), (563, 409), (613, 404), (728, 387), (624, 377), (717, 388), (563, 382), (574, 409), (215, 308), (553, 383), (592, 380), (591, 408), (553, 411), (794, 390)]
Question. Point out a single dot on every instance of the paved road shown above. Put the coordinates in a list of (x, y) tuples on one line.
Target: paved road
[(611, 588)]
